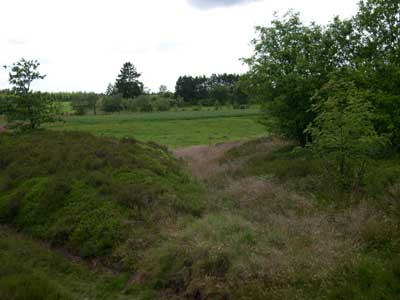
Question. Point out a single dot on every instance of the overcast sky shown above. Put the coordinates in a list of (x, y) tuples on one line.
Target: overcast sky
[(82, 44)]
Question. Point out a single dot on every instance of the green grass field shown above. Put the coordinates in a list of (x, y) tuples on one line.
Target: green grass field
[(174, 129)]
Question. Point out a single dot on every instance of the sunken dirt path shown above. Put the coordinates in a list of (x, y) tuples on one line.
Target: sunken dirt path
[(203, 160), (311, 240)]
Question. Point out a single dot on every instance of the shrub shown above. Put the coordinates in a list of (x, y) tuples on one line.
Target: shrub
[(142, 103), (112, 103), (161, 104), (366, 278), (23, 108), (343, 134), (80, 197)]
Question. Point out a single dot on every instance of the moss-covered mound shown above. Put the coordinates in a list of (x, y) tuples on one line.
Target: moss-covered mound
[(96, 196)]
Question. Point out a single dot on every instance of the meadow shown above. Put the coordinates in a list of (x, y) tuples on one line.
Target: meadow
[(173, 128)]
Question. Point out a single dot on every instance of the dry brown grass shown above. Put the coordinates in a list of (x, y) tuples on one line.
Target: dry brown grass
[(306, 240), (204, 160), (2, 129), (302, 238)]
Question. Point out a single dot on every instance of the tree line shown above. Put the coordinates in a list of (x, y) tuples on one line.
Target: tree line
[(218, 88), (126, 94)]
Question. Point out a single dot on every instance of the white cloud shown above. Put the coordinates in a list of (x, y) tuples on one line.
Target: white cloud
[(206, 4), (83, 44)]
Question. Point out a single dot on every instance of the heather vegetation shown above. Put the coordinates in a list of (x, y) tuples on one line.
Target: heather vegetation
[(264, 225)]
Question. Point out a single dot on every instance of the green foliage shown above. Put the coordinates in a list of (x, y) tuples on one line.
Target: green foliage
[(81, 197), (143, 103), (31, 270), (206, 90), (161, 104), (343, 133), (366, 279), (292, 61), (30, 287), (127, 83), (256, 238), (148, 103), (289, 64), (29, 111), (200, 268), (381, 236), (378, 62), (82, 102), (22, 74), (113, 103), (373, 273), (309, 173), (23, 108)]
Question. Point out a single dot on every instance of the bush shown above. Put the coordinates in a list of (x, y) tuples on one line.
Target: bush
[(148, 103), (83, 102), (142, 103), (80, 197), (112, 103), (343, 134), (161, 104), (366, 278)]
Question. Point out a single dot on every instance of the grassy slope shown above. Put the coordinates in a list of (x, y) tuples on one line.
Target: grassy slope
[(174, 129), (348, 244), (30, 270), (92, 195), (264, 232)]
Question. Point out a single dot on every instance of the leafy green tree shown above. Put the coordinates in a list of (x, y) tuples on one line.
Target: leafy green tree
[(161, 104), (143, 103), (239, 94), (22, 74), (378, 61), (206, 90), (290, 63), (221, 93), (343, 134), (112, 103), (127, 82), (191, 89), (83, 102), (23, 108)]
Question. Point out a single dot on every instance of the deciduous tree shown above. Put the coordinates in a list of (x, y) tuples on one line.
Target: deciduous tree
[(343, 134), (24, 108)]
